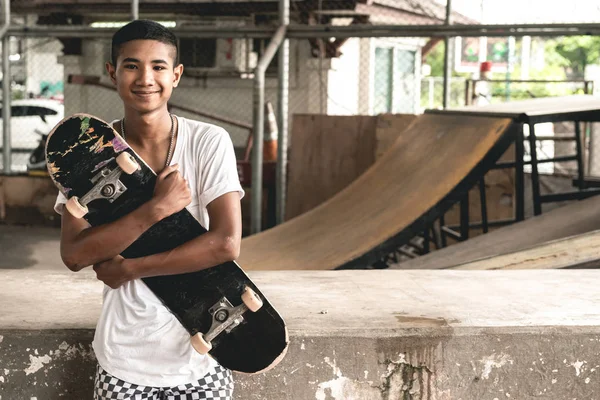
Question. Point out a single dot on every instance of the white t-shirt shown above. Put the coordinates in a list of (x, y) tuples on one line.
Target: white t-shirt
[(137, 339)]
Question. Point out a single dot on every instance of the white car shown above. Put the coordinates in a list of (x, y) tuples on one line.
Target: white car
[(29, 119)]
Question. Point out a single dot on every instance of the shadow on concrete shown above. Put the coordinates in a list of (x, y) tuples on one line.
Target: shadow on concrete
[(24, 247)]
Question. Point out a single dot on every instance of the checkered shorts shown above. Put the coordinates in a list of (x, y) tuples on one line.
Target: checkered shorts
[(217, 385)]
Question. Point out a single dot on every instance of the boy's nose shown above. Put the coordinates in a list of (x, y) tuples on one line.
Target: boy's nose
[(145, 76)]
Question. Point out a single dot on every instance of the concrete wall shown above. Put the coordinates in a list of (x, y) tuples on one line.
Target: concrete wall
[(42, 65), (483, 364), (27, 200), (355, 335)]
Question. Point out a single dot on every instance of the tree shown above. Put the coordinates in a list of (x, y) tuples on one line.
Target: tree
[(574, 53), (435, 58)]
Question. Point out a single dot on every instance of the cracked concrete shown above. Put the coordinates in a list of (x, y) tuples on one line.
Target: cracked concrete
[(46, 364), (404, 380), (385, 335)]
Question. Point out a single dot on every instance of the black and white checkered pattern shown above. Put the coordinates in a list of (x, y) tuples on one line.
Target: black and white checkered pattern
[(217, 385)]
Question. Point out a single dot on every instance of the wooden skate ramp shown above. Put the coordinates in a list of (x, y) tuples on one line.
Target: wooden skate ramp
[(581, 251), (571, 220), (433, 162)]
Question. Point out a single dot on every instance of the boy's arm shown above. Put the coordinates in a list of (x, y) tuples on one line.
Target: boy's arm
[(82, 245), (220, 244)]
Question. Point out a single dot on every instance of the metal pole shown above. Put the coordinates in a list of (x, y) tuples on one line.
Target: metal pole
[(135, 10), (259, 118), (441, 30), (6, 78), (447, 57), (6, 19), (257, 152), (6, 142), (282, 113), (316, 31), (509, 62)]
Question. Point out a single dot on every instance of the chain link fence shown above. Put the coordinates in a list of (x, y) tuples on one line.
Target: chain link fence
[(52, 77), (37, 87)]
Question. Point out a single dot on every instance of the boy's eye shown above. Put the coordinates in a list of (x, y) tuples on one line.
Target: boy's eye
[(159, 68), (129, 66)]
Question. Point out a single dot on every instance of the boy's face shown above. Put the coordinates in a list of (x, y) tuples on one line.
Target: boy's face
[(145, 75)]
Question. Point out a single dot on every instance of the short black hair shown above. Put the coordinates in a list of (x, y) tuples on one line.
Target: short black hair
[(142, 29)]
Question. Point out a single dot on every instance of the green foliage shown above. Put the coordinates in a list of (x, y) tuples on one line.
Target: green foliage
[(573, 53), (435, 58), (564, 58), (518, 91), (17, 94)]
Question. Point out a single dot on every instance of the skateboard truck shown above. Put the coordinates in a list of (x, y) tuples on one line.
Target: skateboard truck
[(225, 317), (106, 185)]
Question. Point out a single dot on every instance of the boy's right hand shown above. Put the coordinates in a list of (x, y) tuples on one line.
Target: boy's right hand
[(171, 192)]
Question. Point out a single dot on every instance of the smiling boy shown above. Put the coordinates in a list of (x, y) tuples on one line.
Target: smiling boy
[(143, 352)]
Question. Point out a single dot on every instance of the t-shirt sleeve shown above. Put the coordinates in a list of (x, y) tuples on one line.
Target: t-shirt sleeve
[(59, 206), (218, 168)]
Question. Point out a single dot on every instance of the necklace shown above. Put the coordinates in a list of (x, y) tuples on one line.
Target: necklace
[(171, 139)]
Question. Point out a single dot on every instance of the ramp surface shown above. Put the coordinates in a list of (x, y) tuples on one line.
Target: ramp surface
[(582, 251), (546, 109), (571, 220), (435, 160)]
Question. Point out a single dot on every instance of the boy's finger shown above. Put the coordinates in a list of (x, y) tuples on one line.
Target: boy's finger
[(167, 171)]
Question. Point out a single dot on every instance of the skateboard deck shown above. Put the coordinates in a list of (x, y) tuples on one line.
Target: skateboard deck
[(103, 177)]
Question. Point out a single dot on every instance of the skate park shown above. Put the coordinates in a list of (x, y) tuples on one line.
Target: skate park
[(422, 255)]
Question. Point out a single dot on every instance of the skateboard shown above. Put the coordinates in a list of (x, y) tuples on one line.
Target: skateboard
[(225, 313)]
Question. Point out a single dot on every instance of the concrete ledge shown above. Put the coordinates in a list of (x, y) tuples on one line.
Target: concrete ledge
[(354, 335), (28, 200)]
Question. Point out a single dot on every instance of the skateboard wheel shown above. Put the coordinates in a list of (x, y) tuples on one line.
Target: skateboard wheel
[(127, 163), (75, 208), (200, 345), (251, 299)]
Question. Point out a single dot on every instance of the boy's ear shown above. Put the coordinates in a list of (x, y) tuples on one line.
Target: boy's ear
[(111, 72), (177, 72)]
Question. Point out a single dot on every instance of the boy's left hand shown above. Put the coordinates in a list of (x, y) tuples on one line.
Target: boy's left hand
[(113, 272)]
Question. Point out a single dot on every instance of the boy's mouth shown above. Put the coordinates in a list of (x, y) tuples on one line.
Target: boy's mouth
[(144, 93)]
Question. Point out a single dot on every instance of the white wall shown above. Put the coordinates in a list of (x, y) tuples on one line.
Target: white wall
[(102, 103), (343, 86), (366, 81), (41, 58)]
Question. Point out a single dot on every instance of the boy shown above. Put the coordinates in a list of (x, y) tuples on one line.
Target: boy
[(143, 352)]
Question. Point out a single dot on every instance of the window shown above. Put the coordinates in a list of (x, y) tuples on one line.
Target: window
[(19, 111), (198, 53), (395, 82), (41, 111), (383, 80)]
